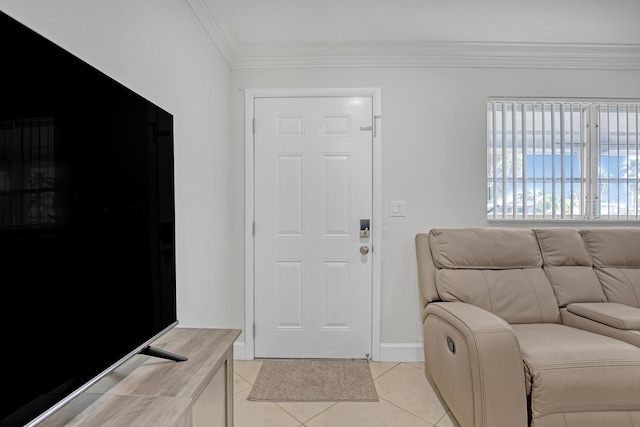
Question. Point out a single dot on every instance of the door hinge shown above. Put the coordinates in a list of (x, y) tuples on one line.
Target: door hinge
[(254, 330), (253, 125), (253, 228)]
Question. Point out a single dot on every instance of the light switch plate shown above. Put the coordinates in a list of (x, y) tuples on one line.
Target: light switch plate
[(398, 208)]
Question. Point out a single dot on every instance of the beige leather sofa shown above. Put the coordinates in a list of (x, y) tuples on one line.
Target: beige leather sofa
[(533, 327)]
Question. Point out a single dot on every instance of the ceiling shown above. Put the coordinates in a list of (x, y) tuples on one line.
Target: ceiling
[(272, 33)]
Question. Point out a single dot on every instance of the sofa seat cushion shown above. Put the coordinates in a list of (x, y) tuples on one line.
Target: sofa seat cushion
[(619, 316), (570, 370)]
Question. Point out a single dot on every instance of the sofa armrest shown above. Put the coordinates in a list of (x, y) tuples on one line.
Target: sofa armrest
[(612, 314), (474, 358)]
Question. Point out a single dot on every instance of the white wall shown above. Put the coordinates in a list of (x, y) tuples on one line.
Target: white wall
[(433, 157), (159, 49), (433, 142)]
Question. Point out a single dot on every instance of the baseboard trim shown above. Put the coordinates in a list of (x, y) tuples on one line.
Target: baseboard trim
[(389, 352), (401, 352), (240, 351)]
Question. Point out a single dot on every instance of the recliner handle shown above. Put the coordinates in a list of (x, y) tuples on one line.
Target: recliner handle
[(451, 344)]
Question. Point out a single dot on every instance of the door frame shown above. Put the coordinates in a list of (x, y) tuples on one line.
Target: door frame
[(249, 204)]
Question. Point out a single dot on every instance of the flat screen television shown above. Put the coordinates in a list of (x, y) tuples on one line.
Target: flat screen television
[(87, 255)]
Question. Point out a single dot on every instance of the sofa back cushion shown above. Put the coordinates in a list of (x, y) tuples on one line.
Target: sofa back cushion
[(499, 270), (568, 266), (616, 258)]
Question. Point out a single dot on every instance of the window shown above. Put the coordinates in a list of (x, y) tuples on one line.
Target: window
[(562, 159)]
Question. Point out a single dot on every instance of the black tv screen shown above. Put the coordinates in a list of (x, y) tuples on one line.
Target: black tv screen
[(86, 224)]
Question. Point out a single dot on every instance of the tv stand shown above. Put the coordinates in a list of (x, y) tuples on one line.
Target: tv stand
[(147, 391), (163, 354)]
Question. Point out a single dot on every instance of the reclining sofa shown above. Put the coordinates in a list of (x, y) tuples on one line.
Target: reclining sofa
[(533, 327)]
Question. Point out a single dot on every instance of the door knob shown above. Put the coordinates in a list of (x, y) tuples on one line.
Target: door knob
[(364, 250)]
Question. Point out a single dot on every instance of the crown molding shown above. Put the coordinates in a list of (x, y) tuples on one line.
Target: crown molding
[(432, 54), (413, 54), (216, 28)]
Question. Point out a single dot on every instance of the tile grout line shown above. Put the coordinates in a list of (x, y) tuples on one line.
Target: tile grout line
[(400, 407), (386, 372), (391, 369), (411, 413), (243, 379), (303, 423), (444, 415)]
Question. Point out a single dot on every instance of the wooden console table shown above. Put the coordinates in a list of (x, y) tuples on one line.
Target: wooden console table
[(150, 391)]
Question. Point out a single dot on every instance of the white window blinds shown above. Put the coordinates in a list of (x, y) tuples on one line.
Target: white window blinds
[(562, 159)]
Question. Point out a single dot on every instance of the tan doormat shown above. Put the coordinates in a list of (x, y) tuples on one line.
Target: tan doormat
[(310, 380)]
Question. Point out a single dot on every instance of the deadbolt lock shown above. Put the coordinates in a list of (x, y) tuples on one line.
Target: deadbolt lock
[(365, 230)]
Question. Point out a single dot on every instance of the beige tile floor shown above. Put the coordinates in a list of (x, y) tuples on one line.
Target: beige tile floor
[(406, 399)]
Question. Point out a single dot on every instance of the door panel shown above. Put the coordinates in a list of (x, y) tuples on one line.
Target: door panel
[(313, 185)]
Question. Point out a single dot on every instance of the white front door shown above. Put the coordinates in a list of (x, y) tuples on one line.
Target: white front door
[(313, 194)]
